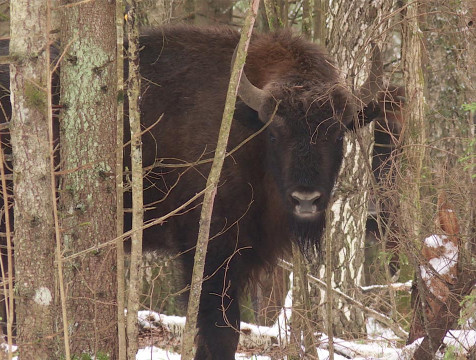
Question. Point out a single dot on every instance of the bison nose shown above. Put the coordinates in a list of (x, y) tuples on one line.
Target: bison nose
[(305, 203)]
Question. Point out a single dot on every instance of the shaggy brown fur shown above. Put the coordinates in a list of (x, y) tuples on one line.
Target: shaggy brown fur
[(186, 72)]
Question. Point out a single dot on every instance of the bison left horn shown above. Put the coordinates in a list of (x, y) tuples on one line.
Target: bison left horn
[(374, 81), (251, 95)]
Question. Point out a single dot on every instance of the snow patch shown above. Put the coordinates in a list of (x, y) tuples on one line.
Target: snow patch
[(152, 320), (435, 240), (442, 264), (153, 353), (376, 331)]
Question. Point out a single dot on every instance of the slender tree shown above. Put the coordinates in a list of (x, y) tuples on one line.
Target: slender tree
[(212, 183), (133, 93), (87, 193), (33, 179), (121, 272)]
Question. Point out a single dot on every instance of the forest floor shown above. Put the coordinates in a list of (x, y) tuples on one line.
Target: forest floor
[(160, 340)]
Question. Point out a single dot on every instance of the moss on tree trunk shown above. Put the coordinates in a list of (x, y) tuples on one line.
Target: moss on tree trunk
[(87, 194)]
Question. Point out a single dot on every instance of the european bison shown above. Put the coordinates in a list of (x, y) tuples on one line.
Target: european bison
[(274, 190)]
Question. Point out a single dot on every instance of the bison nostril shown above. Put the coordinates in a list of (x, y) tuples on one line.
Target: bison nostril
[(295, 200)]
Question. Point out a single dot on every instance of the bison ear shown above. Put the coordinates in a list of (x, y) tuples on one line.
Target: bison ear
[(365, 116), (247, 116)]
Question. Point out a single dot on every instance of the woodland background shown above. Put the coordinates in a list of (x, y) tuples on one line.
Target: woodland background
[(374, 256)]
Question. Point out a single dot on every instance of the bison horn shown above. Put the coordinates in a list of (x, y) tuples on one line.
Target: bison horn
[(374, 81), (250, 94)]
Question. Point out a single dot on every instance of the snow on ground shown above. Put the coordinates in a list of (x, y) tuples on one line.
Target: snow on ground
[(153, 353), (382, 343), (461, 341)]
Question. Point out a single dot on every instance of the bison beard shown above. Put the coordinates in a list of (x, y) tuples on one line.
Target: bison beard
[(308, 234)]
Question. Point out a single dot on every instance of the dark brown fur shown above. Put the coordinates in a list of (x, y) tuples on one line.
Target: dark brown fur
[(185, 75)]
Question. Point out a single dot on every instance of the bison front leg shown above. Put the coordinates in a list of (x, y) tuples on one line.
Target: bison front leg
[(218, 321)]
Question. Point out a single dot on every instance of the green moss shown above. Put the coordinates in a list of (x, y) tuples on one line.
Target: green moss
[(35, 98), (120, 96)]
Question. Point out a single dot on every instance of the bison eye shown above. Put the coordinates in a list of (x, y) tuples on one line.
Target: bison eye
[(272, 138)]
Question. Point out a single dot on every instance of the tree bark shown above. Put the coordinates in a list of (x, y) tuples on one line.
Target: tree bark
[(307, 20), (276, 14), (320, 15), (32, 179), (120, 255), (87, 194), (351, 27), (133, 94)]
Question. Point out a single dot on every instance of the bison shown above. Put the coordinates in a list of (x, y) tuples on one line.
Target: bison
[(273, 191), (293, 110)]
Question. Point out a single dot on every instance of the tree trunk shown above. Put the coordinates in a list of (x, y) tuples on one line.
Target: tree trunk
[(88, 196), (307, 21), (205, 12), (448, 56), (351, 27), (133, 94), (319, 23), (32, 178), (120, 254)]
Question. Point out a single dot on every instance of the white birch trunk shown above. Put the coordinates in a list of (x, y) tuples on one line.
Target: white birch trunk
[(352, 25)]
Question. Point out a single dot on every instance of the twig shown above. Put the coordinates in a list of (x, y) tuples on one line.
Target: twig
[(5, 60), (82, 2), (8, 293), (130, 232), (395, 286)]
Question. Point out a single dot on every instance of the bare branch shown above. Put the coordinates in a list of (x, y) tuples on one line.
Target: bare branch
[(378, 316)]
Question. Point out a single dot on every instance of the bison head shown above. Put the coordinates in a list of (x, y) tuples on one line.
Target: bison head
[(306, 122), (304, 150)]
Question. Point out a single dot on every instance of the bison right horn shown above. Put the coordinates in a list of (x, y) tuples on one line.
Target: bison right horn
[(251, 95)]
